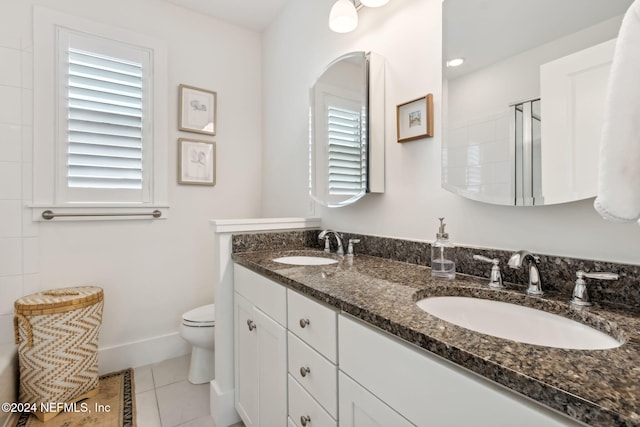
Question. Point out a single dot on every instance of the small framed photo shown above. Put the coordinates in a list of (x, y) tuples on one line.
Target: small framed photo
[(196, 162), (197, 110), (415, 119)]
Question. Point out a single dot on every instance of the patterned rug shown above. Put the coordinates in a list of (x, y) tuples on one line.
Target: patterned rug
[(113, 406)]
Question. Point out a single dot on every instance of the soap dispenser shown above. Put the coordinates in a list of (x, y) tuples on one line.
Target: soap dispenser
[(442, 255)]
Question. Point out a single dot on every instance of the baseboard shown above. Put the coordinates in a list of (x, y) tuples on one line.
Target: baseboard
[(143, 352)]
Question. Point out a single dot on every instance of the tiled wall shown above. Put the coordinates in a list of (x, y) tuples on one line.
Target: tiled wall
[(19, 252), (477, 157)]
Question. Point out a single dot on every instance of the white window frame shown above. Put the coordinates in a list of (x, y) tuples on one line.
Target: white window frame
[(51, 28)]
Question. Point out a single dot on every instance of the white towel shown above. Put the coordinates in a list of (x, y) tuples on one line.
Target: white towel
[(619, 168)]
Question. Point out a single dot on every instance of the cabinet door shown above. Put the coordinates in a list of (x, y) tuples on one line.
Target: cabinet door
[(272, 371), (359, 408), (246, 361), (260, 366)]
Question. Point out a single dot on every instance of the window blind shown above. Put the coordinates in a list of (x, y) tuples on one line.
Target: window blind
[(105, 119), (346, 163)]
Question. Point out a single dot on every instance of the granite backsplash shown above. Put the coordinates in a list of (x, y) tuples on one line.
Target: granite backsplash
[(558, 273)]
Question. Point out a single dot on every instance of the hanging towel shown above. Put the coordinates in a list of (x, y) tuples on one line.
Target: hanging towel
[(619, 165)]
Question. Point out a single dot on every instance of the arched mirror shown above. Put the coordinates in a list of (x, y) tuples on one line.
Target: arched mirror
[(346, 130), (522, 114)]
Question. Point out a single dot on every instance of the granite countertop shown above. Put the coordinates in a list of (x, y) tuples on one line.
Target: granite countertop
[(597, 387)]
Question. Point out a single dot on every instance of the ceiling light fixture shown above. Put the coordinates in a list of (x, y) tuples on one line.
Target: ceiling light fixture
[(455, 62), (343, 17), (374, 3)]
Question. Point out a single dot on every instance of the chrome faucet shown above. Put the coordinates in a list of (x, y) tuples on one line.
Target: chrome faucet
[(327, 248), (535, 282), (580, 295)]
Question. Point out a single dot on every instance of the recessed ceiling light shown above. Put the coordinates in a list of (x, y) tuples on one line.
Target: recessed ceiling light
[(455, 62)]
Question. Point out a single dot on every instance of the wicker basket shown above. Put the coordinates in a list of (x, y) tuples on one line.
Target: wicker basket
[(57, 336)]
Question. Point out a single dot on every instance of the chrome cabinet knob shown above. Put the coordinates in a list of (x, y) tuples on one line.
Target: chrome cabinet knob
[(251, 325), (304, 322), (304, 371), (304, 420)]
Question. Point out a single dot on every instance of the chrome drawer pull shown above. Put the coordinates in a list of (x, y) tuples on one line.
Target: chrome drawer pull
[(304, 371), (304, 322), (251, 325), (304, 420)]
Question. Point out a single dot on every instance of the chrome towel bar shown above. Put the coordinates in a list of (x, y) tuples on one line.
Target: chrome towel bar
[(48, 214)]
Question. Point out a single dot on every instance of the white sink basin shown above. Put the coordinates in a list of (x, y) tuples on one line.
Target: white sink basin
[(517, 323), (305, 260)]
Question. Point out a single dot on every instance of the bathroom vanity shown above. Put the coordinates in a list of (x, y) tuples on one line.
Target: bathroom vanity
[(346, 344)]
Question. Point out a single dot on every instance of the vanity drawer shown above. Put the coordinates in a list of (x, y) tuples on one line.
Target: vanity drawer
[(321, 379), (313, 323), (267, 295), (302, 405)]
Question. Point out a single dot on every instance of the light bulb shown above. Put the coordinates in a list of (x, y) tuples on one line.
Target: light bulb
[(343, 17), (374, 3)]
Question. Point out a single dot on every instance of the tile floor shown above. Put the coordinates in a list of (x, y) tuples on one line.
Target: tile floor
[(164, 397)]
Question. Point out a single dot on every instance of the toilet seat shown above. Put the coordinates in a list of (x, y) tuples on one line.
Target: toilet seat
[(200, 317)]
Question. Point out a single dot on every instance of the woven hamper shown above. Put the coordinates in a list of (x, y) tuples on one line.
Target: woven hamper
[(57, 336)]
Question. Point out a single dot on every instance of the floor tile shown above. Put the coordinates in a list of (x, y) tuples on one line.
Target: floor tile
[(147, 414), (181, 402), (143, 379), (205, 421), (171, 371)]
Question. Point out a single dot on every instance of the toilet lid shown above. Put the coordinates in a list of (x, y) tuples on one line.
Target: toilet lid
[(201, 316)]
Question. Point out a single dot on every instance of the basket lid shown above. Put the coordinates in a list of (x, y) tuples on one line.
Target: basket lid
[(58, 300)]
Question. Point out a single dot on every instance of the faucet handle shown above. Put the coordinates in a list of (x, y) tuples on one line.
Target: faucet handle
[(495, 279), (494, 261), (350, 246), (327, 245), (580, 296)]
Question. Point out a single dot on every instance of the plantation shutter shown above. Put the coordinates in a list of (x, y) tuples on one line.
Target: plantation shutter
[(105, 119), (347, 167)]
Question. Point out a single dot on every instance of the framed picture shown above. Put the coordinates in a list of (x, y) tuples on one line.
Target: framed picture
[(415, 119), (197, 110), (196, 162)]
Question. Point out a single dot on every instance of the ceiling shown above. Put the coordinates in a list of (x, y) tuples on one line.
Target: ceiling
[(251, 14), (486, 31)]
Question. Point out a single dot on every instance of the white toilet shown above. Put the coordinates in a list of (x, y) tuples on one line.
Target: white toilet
[(197, 328)]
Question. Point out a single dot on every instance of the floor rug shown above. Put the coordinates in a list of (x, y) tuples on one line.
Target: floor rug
[(113, 406)]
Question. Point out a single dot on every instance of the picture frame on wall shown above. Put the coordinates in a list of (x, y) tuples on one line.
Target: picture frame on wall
[(197, 110), (414, 119), (196, 162)]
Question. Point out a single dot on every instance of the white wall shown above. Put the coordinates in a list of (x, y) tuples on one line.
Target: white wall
[(408, 34), (151, 271)]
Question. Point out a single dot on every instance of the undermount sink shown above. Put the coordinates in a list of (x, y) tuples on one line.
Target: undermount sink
[(305, 260), (517, 323)]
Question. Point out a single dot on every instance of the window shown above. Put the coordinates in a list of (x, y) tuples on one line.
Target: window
[(347, 166), (103, 105), (108, 126)]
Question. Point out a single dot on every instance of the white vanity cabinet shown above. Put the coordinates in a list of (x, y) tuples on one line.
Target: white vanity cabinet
[(313, 371), (260, 341), (299, 363), (427, 390)]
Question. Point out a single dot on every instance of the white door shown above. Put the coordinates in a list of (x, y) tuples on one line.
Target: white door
[(246, 361), (572, 95), (359, 408)]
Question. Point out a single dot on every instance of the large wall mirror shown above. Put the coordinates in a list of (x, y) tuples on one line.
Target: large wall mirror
[(346, 130), (522, 114)]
